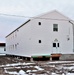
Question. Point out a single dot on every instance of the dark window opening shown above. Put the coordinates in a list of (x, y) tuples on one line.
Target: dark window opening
[(55, 27), (39, 23), (39, 41), (58, 44), (68, 38), (54, 44)]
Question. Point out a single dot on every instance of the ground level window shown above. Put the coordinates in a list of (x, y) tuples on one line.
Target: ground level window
[(54, 44), (57, 44)]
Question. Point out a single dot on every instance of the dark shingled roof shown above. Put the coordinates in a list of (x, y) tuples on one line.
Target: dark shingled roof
[(2, 44), (18, 28)]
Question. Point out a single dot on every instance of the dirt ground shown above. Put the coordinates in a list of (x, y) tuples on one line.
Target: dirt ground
[(48, 69), (4, 60)]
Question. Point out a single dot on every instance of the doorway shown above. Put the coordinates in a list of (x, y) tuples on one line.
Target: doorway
[(55, 47)]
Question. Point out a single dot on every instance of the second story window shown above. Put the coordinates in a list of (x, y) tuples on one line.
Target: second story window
[(55, 27), (39, 23)]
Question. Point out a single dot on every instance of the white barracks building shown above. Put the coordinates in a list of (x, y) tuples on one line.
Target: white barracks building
[(50, 33)]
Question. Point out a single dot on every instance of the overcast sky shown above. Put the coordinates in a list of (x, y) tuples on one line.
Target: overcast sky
[(29, 8)]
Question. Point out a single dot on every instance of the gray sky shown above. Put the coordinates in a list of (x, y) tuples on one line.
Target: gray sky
[(29, 8)]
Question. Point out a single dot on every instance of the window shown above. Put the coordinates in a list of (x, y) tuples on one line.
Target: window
[(54, 44), (39, 41), (12, 46), (55, 27), (15, 46), (57, 44), (39, 23)]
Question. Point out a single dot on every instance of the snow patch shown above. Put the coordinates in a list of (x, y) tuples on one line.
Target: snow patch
[(21, 72), (37, 67), (70, 73)]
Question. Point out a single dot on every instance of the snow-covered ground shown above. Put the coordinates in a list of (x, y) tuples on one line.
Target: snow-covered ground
[(46, 68), (21, 72)]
